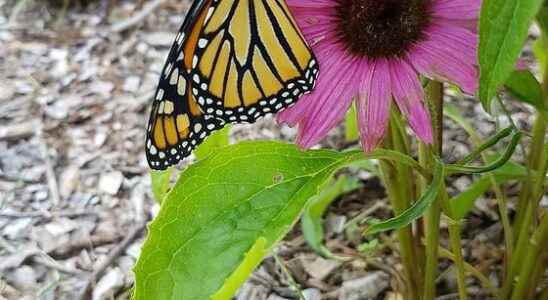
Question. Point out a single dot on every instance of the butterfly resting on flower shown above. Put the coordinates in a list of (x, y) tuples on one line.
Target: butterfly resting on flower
[(233, 61)]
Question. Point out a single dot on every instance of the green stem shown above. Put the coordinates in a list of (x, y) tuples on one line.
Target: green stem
[(435, 100), (454, 236), (532, 253)]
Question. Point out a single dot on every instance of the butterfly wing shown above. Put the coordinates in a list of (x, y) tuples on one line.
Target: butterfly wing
[(251, 60), (176, 124)]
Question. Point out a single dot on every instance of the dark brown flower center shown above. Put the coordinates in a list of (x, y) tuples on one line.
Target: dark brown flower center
[(382, 28)]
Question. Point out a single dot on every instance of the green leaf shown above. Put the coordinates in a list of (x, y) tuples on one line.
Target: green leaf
[(504, 26), (160, 183), (215, 141), (312, 219), (220, 209), (523, 86), (351, 125), (417, 209)]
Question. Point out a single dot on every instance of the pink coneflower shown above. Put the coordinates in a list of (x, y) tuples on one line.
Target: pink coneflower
[(373, 51)]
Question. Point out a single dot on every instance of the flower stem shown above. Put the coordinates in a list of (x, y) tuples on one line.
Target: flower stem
[(435, 97), (400, 192)]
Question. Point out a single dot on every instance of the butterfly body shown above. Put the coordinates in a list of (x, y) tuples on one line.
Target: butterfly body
[(233, 61)]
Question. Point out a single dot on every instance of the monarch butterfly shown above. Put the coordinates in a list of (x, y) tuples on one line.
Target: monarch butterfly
[(232, 61)]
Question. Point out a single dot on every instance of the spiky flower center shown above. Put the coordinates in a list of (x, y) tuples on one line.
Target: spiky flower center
[(382, 28)]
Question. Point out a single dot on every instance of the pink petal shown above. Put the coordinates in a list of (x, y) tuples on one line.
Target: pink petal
[(449, 54), (409, 96), (374, 105), (456, 9)]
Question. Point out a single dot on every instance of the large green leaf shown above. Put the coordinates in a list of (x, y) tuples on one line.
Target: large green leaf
[(504, 25), (224, 213)]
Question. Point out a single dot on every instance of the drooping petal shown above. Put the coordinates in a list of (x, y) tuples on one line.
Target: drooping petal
[(449, 54), (373, 104), (409, 96)]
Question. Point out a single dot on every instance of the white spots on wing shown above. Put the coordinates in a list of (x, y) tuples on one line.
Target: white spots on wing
[(180, 38), (194, 61), (168, 69), (174, 77), (153, 150), (202, 43), (168, 107), (160, 94), (196, 78), (211, 126), (197, 127)]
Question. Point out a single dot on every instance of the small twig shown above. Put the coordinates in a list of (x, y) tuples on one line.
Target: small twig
[(137, 18), (114, 253)]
